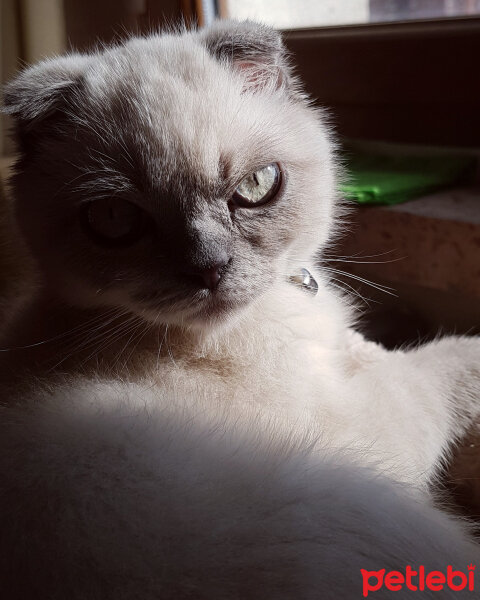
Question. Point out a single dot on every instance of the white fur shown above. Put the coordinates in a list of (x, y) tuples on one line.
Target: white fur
[(110, 492), (293, 354)]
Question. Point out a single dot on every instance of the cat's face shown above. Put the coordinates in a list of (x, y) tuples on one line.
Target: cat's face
[(168, 177)]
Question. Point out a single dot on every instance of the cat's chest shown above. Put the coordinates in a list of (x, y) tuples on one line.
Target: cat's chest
[(288, 375)]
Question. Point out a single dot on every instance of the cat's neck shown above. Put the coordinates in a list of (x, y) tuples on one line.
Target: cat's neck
[(51, 337)]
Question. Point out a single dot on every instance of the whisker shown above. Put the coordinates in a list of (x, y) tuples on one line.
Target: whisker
[(351, 290), (100, 331), (113, 334), (168, 346), (75, 329), (365, 262), (146, 330), (134, 331), (377, 286), (358, 255)]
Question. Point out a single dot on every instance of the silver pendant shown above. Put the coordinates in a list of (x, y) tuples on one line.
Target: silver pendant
[(305, 280)]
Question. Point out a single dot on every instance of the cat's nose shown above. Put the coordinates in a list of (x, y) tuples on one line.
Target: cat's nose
[(210, 277)]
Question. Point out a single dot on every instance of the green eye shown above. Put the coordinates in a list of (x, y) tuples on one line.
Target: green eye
[(258, 188)]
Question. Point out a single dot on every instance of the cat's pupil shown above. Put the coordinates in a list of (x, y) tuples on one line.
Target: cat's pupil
[(113, 221), (258, 187)]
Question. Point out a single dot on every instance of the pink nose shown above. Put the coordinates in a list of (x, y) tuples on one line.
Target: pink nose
[(211, 277)]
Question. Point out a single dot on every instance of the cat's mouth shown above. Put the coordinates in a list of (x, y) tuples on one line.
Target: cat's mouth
[(191, 305)]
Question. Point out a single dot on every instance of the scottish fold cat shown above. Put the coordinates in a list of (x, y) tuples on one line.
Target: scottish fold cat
[(187, 409)]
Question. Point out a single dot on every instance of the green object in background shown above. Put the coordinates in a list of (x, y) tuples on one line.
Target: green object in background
[(388, 179)]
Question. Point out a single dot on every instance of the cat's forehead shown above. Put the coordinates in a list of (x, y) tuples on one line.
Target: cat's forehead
[(164, 59), (168, 95)]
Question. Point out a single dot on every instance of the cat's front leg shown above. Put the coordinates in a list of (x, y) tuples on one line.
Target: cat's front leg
[(454, 364), (414, 404)]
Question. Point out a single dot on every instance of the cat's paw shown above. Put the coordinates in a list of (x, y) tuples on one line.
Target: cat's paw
[(456, 361)]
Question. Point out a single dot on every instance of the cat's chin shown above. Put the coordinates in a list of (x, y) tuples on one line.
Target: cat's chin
[(210, 311), (215, 315)]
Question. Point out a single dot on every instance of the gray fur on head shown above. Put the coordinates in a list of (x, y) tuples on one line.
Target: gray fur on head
[(40, 90), (253, 48)]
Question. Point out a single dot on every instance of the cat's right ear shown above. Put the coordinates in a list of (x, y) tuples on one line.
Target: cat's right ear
[(40, 91), (255, 51)]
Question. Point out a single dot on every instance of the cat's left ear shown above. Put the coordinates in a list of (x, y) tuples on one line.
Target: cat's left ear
[(255, 50), (43, 89)]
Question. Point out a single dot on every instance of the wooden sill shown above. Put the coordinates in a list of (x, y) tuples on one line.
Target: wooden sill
[(433, 242)]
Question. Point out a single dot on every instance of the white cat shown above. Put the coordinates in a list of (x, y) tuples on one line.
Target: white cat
[(168, 189)]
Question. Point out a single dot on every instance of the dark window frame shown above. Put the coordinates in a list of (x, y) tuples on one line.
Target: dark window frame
[(409, 82)]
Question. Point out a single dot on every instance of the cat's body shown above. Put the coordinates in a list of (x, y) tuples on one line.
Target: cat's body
[(395, 408), (110, 494), (169, 272)]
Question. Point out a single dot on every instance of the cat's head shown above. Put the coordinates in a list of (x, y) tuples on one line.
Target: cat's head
[(178, 176)]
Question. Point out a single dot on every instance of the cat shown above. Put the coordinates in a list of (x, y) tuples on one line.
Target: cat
[(175, 192)]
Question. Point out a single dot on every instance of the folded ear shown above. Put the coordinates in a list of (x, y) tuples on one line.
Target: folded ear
[(254, 50), (40, 90)]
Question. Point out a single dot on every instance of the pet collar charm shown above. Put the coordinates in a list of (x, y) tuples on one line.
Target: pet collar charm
[(305, 280)]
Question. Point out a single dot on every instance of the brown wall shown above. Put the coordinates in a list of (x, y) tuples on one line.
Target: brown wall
[(416, 83)]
